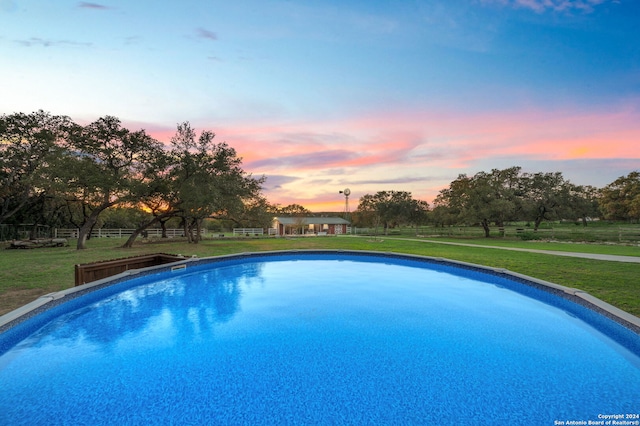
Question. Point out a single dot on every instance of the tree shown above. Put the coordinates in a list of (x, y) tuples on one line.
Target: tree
[(547, 197), (30, 144), (417, 214), (293, 210), (620, 200), (492, 198), (584, 202), (45, 209), (207, 179), (484, 199), (441, 216), (451, 201), (257, 213), (160, 211), (124, 217), (105, 165), (388, 208), (155, 195)]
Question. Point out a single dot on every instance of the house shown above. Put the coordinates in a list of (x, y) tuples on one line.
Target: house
[(302, 225)]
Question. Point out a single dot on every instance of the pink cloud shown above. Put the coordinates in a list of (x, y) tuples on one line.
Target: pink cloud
[(557, 135), (291, 148), (422, 151), (433, 137)]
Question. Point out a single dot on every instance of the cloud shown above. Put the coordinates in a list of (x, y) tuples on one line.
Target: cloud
[(206, 34), (305, 160), (308, 162), (423, 151), (37, 41), (294, 149), (541, 6), (389, 181), (335, 172), (96, 6), (277, 181), (132, 40)]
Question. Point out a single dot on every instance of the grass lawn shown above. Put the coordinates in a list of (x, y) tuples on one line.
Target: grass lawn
[(28, 274)]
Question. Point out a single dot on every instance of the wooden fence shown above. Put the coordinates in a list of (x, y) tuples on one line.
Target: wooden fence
[(119, 233), (248, 231)]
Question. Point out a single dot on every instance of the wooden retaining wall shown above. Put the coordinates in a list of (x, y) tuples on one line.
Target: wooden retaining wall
[(88, 272)]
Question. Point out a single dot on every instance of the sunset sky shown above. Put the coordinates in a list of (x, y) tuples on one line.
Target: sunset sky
[(321, 95)]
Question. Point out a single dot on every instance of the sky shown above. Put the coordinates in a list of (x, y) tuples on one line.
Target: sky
[(323, 95)]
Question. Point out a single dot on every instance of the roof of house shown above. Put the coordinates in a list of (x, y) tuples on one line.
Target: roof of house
[(304, 220)]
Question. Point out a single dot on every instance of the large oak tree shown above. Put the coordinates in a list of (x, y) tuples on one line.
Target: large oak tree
[(105, 166), (30, 150), (388, 208), (207, 179), (620, 200)]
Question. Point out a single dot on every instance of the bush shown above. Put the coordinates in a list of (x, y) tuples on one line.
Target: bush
[(528, 236)]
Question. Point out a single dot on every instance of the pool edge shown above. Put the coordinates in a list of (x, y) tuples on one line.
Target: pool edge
[(581, 297)]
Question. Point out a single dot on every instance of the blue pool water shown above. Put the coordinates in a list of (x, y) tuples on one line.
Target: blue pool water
[(317, 339)]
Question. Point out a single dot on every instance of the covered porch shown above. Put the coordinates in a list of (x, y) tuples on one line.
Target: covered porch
[(310, 225)]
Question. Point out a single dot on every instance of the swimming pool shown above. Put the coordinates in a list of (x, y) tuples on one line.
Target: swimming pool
[(317, 338)]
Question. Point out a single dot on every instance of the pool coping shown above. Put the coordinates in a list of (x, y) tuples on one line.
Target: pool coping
[(578, 296)]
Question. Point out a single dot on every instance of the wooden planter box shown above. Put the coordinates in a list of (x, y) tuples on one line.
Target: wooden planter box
[(88, 272)]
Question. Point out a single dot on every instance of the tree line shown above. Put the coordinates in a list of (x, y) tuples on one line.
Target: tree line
[(56, 172), (510, 195), (61, 174)]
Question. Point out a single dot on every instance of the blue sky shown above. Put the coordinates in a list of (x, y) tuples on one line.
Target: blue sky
[(323, 95)]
